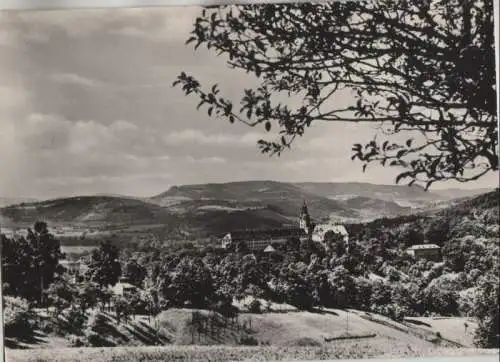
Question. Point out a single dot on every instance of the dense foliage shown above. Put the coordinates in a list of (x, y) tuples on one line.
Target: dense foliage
[(373, 274), (30, 264), (424, 71)]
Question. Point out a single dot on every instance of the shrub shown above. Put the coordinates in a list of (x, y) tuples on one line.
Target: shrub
[(19, 321), (93, 339), (255, 306), (305, 342), (76, 341), (249, 341), (76, 317)]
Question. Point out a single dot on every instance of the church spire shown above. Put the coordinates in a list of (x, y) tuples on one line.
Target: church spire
[(304, 210), (305, 219)]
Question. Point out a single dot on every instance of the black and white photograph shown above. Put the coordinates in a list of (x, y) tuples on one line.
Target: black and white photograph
[(250, 182)]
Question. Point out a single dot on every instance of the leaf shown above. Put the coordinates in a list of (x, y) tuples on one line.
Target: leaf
[(409, 142), (210, 110), (364, 167), (402, 176), (231, 119), (268, 126), (191, 39)]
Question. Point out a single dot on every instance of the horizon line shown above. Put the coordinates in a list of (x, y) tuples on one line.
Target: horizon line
[(168, 187)]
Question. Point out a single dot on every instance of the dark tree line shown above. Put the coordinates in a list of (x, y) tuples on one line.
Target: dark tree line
[(298, 273)]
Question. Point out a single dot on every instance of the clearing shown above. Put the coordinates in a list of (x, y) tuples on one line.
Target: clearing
[(276, 335)]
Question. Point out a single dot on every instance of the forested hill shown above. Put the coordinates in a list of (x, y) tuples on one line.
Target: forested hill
[(478, 215)]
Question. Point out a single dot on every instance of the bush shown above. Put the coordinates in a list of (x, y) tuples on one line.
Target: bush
[(305, 342), (76, 341), (19, 321), (76, 317), (96, 324), (255, 306), (249, 341)]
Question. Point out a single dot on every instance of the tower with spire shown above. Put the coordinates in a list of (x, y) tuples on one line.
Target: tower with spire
[(305, 219)]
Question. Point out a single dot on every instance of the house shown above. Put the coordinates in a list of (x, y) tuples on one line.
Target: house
[(74, 267), (269, 249), (431, 252), (259, 239), (123, 288)]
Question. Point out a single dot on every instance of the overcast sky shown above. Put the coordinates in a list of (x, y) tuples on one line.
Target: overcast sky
[(86, 106)]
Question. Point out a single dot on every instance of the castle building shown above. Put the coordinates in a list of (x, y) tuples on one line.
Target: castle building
[(260, 239)]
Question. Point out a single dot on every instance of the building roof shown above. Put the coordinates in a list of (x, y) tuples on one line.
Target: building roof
[(263, 234), (124, 285), (269, 249), (336, 228), (424, 246), (64, 261)]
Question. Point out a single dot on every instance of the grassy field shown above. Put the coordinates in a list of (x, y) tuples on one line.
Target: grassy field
[(450, 328), (281, 336), (344, 350)]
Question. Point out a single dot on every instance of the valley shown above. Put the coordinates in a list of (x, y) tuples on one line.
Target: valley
[(194, 211)]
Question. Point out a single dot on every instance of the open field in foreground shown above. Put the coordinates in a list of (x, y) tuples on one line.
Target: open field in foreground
[(344, 350), (281, 336)]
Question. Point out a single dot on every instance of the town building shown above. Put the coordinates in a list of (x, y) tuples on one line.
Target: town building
[(124, 288), (322, 230), (260, 239), (431, 252), (74, 267)]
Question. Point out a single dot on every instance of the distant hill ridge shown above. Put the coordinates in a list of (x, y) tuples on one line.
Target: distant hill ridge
[(222, 206)]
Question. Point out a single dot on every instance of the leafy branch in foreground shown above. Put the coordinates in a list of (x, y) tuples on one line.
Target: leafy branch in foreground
[(422, 70)]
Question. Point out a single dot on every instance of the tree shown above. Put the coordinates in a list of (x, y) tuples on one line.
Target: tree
[(437, 231), (487, 311), (88, 295), (335, 242), (18, 269), (18, 318), (47, 252), (441, 301), (424, 71), (61, 294), (134, 272), (29, 265), (190, 282), (104, 268), (292, 244), (299, 292), (343, 287)]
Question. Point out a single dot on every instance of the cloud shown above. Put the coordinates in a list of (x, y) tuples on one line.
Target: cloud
[(205, 160), (193, 136), (55, 134), (93, 110), (160, 25), (70, 78), (146, 23)]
